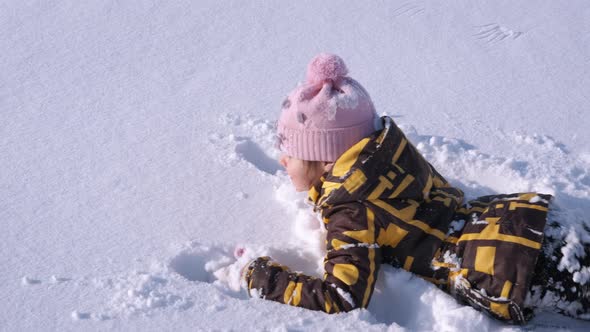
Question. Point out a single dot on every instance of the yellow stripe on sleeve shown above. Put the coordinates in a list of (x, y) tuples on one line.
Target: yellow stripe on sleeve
[(399, 150), (288, 294), (371, 278), (327, 302), (297, 294), (506, 289), (348, 273), (408, 263), (338, 244), (427, 187)]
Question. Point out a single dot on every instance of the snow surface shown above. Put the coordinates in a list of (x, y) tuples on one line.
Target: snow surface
[(136, 148)]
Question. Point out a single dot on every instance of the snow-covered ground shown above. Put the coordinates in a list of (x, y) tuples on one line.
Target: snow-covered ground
[(136, 147)]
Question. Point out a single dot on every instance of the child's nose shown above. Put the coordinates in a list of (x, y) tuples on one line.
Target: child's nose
[(283, 161)]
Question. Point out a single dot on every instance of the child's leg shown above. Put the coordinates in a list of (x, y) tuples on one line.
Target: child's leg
[(561, 290)]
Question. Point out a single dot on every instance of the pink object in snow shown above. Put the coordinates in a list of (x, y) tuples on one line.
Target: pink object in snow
[(239, 252), (325, 66), (327, 114)]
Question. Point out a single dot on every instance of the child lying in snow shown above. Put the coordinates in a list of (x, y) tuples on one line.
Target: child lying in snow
[(383, 203)]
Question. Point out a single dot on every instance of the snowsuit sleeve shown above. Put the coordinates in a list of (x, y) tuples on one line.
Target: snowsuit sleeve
[(351, 265)]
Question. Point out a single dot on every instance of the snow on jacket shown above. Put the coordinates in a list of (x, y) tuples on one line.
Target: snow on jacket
[(383, 203)]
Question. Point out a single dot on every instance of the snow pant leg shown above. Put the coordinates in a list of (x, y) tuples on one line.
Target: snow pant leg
[(554, 289)]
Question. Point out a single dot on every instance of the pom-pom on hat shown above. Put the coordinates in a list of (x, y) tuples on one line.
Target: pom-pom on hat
[(327, 114), (325, 66)]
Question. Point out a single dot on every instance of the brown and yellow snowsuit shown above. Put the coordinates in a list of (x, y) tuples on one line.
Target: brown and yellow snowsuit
[(382, 202)]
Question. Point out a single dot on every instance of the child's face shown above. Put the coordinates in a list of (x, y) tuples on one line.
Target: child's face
[(302, 174)]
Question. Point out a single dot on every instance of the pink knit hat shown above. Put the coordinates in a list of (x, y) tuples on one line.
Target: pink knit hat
[(327, 114)]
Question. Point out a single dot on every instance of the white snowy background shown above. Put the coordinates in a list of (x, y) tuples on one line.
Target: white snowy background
[(136, 147)]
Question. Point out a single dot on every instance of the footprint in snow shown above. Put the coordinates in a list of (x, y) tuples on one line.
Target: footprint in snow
[(494, 32), (409, 9), (26, 280), (29, 281)]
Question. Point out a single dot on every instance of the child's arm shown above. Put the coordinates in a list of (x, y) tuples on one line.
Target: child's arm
[(351, 267)]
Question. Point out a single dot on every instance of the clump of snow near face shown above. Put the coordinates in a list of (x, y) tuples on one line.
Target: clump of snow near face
[(307, 227)]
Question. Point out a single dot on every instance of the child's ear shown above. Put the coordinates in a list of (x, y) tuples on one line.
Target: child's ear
[(328, 166)]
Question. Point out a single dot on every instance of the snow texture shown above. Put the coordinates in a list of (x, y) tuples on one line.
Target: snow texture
[(137, 149)]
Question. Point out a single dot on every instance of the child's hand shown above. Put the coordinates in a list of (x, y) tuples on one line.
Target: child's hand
[(244, 257), (232, 275), (239, 252)]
